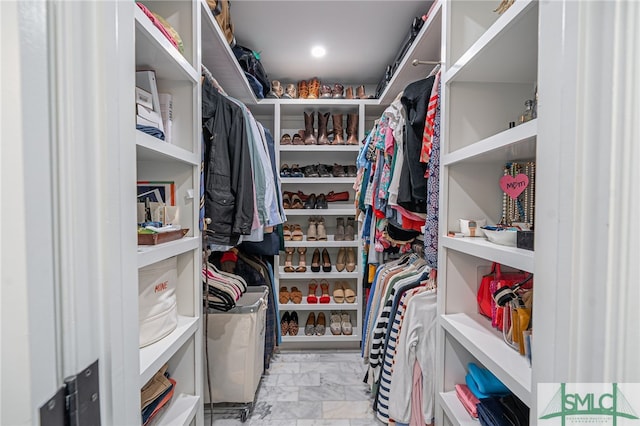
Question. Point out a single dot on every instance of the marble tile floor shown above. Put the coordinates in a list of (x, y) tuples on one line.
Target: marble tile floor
[(308, 388)]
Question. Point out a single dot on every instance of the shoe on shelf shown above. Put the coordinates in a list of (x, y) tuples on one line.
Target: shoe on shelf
[(349, 294), (312, 297), (296, 295), (285, 139), (288, 261), (286, 201), (345, 324), (310, 326), (335, 325), (296, 232), (312, 231), (338, 196), (321, 202), (286, 232), (324, 297), (339, 229), (351, 171), (290, 91), (326, 261), (323, 171), (296, 202), (302, 262), (315, 261), (284, 323), (293, 324), (283, 295), (321, 230), (349, 230), (341, 259), (311, 202), (351, 259), (311, 171), (338, 170), (296, 171), (285, 171), (321, 324), (338, 292)]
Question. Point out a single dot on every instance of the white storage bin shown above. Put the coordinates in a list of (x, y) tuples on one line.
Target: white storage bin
[(157, 304), (236, 348)]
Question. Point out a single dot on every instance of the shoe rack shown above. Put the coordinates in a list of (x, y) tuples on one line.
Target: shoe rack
[(486, 98), (289, 118)]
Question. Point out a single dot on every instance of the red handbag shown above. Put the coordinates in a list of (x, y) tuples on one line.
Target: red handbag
[(491, 282)]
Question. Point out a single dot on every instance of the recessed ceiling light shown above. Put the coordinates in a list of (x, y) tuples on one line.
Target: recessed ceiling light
[(318, 51)]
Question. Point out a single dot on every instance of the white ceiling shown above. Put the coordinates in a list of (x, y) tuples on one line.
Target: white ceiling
[(361, 37)]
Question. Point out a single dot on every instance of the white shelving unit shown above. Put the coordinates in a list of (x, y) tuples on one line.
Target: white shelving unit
[(179, 162), (479, 99)]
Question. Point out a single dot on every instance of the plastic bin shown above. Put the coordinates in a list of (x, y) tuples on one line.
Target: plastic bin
[(236, 348)]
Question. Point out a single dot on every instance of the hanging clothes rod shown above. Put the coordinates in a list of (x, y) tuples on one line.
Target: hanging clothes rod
[(417, 62)]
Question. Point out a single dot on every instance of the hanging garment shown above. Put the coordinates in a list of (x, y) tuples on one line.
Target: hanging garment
[(433, 189)]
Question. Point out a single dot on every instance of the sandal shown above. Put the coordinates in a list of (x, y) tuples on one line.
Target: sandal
[(293, 324), (296, 202), (286, 232), (321, 231), (310, 326), (349, 294), (296, 295), (302, 263), (296, 232), (288, 262), (284, 324), (336, 327), (324, 297), (283, 295), (312, 231), (311, 297), (338, 293), (345, 324), (321, 324)]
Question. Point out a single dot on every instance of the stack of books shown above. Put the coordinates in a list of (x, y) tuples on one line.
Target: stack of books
[(153, 109)]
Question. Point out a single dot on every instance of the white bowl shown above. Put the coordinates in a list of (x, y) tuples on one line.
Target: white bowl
[(503, 237)]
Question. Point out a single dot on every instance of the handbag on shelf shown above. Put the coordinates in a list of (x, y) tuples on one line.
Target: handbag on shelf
[(516, 305), (489, 284)]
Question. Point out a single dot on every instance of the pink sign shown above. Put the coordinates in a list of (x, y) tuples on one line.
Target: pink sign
[(513, 186)]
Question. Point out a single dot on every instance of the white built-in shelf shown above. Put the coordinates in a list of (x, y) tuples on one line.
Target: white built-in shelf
[(154, 356), (150, 148), (150, 254), (219, 59), (318, 103), (180, 411), (319, 275), (331, 306), (327, 180), (517, 143), (319, 148), (475, 333), (455, 411), (506, 53), (330, 242), (155, 52), (425, 47), (482, 248), (328, 337), (335, 209)]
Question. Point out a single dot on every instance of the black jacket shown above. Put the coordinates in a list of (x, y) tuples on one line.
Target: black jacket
[(412, 193), (229, 201)]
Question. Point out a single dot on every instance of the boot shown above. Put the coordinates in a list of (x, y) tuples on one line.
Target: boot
[(360, 93), (291, 92), (338, 135), (352, 129), (323, 120), (325, 91), (314, 88), (309, 135), (303, 89), (349, 94), (338, 91)]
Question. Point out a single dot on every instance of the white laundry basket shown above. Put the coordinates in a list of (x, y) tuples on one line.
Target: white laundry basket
[(236, 348), (157, 303)]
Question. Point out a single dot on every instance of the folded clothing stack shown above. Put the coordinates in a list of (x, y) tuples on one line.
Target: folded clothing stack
[(156, 394)]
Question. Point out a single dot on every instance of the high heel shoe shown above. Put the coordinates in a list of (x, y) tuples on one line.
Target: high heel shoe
[(321, 324), (284, 324), (324, 296), (321, 231), (293, 324), (310, 326), (315, 261), (302, 262), (326, 261), (351, 259), (288, 262), (312, 231), (340, 259), (311, 297)]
